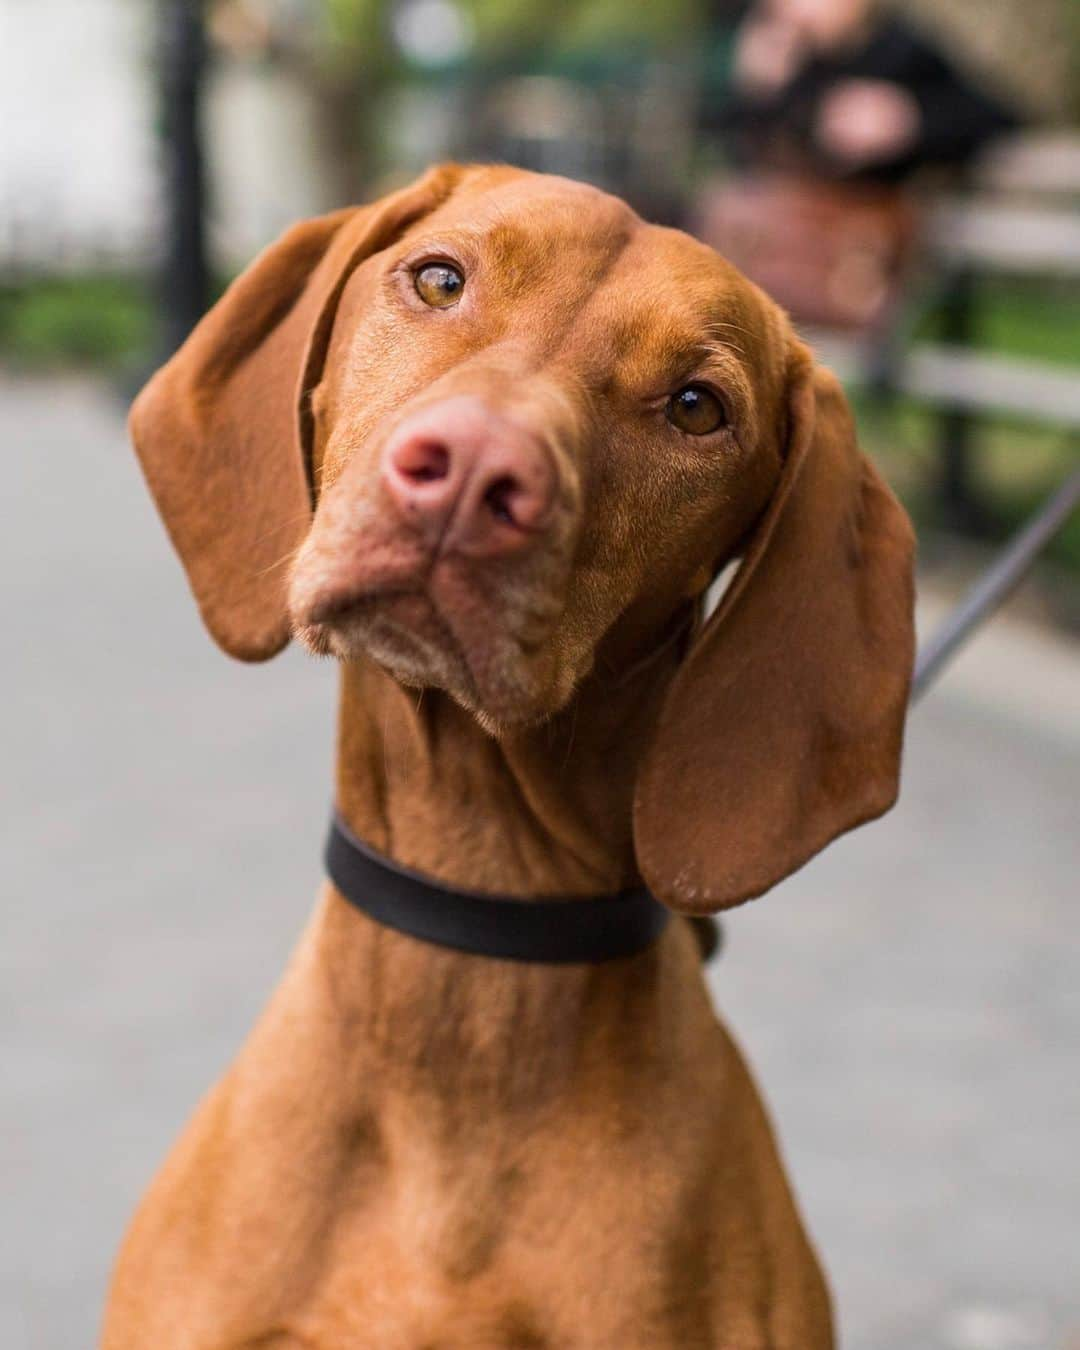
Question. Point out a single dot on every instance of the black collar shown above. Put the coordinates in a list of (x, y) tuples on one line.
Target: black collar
[(553, 930)]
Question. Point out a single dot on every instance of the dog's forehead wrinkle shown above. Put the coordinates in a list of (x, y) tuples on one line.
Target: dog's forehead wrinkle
[(648, 351), (591, 205), (541, 224), (688, 284), (564, 334), (657, 329)]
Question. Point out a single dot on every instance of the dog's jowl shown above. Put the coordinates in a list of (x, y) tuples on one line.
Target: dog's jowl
[(486, 443)]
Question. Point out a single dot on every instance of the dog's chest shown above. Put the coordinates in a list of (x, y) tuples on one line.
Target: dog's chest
[(484, 1267), (505, 1311), (423, 1316)]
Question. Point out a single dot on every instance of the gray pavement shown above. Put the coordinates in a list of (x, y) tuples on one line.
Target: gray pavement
[(910, 1001)]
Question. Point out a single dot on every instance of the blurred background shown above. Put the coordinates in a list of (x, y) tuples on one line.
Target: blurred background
[(905, 178)]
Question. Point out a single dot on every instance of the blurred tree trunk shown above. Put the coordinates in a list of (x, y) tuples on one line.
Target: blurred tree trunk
[(346, 105), (185, 272), (356, 67)]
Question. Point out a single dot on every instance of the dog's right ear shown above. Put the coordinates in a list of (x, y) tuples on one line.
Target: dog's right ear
[(223, 430), (783, 727)]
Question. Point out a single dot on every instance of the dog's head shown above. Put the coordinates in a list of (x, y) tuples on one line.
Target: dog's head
[(495, 424)]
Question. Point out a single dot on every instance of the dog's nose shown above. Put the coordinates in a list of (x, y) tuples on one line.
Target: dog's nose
[(471, 480)]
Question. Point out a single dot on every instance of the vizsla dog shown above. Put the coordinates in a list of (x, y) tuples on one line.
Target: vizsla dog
[(487, 442)]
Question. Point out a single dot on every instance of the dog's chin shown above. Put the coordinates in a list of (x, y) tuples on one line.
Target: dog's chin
[(490, 674)]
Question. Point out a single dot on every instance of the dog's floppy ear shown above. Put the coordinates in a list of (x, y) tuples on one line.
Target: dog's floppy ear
[(783, 727), (223, 429)]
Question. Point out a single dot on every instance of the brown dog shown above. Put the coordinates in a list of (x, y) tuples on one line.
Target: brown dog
[(533, 429)]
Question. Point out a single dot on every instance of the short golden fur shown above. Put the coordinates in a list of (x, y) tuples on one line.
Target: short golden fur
[(418, 1148)]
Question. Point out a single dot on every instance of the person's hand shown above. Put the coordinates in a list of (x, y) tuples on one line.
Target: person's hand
[(867, 121), (768, 53)]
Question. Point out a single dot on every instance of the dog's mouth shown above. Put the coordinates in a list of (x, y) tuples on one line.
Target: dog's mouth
[(492, 647), (401, 629)]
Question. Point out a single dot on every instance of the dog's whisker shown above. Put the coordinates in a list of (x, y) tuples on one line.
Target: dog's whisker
[(284, 561)]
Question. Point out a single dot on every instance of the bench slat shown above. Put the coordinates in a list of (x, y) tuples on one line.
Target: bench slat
[(1011, 238), (956, 377), (981, 382)]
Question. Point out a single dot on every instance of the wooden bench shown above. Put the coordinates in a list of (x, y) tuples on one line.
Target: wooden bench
[(1020, 219)]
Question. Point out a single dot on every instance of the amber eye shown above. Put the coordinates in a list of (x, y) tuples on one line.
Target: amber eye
[(696, 410), (439, 285)]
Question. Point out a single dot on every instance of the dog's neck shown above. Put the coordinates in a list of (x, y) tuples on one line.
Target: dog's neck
[(544, 811), (541, 811)]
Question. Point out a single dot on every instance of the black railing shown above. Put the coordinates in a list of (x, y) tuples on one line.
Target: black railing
[(185, 273)]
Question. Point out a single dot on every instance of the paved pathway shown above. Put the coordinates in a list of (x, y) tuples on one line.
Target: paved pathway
[(911, 1001)]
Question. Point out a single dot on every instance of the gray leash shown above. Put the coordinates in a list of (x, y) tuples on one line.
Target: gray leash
[(996, 584)]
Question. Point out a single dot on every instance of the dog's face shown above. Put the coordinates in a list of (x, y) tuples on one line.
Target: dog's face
[(494, 430), (537, 415)]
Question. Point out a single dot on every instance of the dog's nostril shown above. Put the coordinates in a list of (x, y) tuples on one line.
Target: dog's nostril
[(423, 461), (500, 499)]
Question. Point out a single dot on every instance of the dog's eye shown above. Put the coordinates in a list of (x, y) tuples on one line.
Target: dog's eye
[(696, 410), (439, 285)]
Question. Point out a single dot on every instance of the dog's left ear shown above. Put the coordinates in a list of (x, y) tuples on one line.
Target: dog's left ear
[(223, 430), (783, 727)]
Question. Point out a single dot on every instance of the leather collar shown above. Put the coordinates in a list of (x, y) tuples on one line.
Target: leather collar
[(555, 930)]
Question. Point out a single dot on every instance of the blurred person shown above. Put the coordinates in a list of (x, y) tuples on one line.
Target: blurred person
[(834, 107), (843, 89)]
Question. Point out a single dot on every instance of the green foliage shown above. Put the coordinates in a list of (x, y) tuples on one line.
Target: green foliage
[(1016, 507), (357, 31), (1017, 464), (101, 321), (594, 23), (354, 33), (1036, 320)]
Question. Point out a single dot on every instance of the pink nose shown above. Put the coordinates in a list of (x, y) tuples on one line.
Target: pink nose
[(470, 479)]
